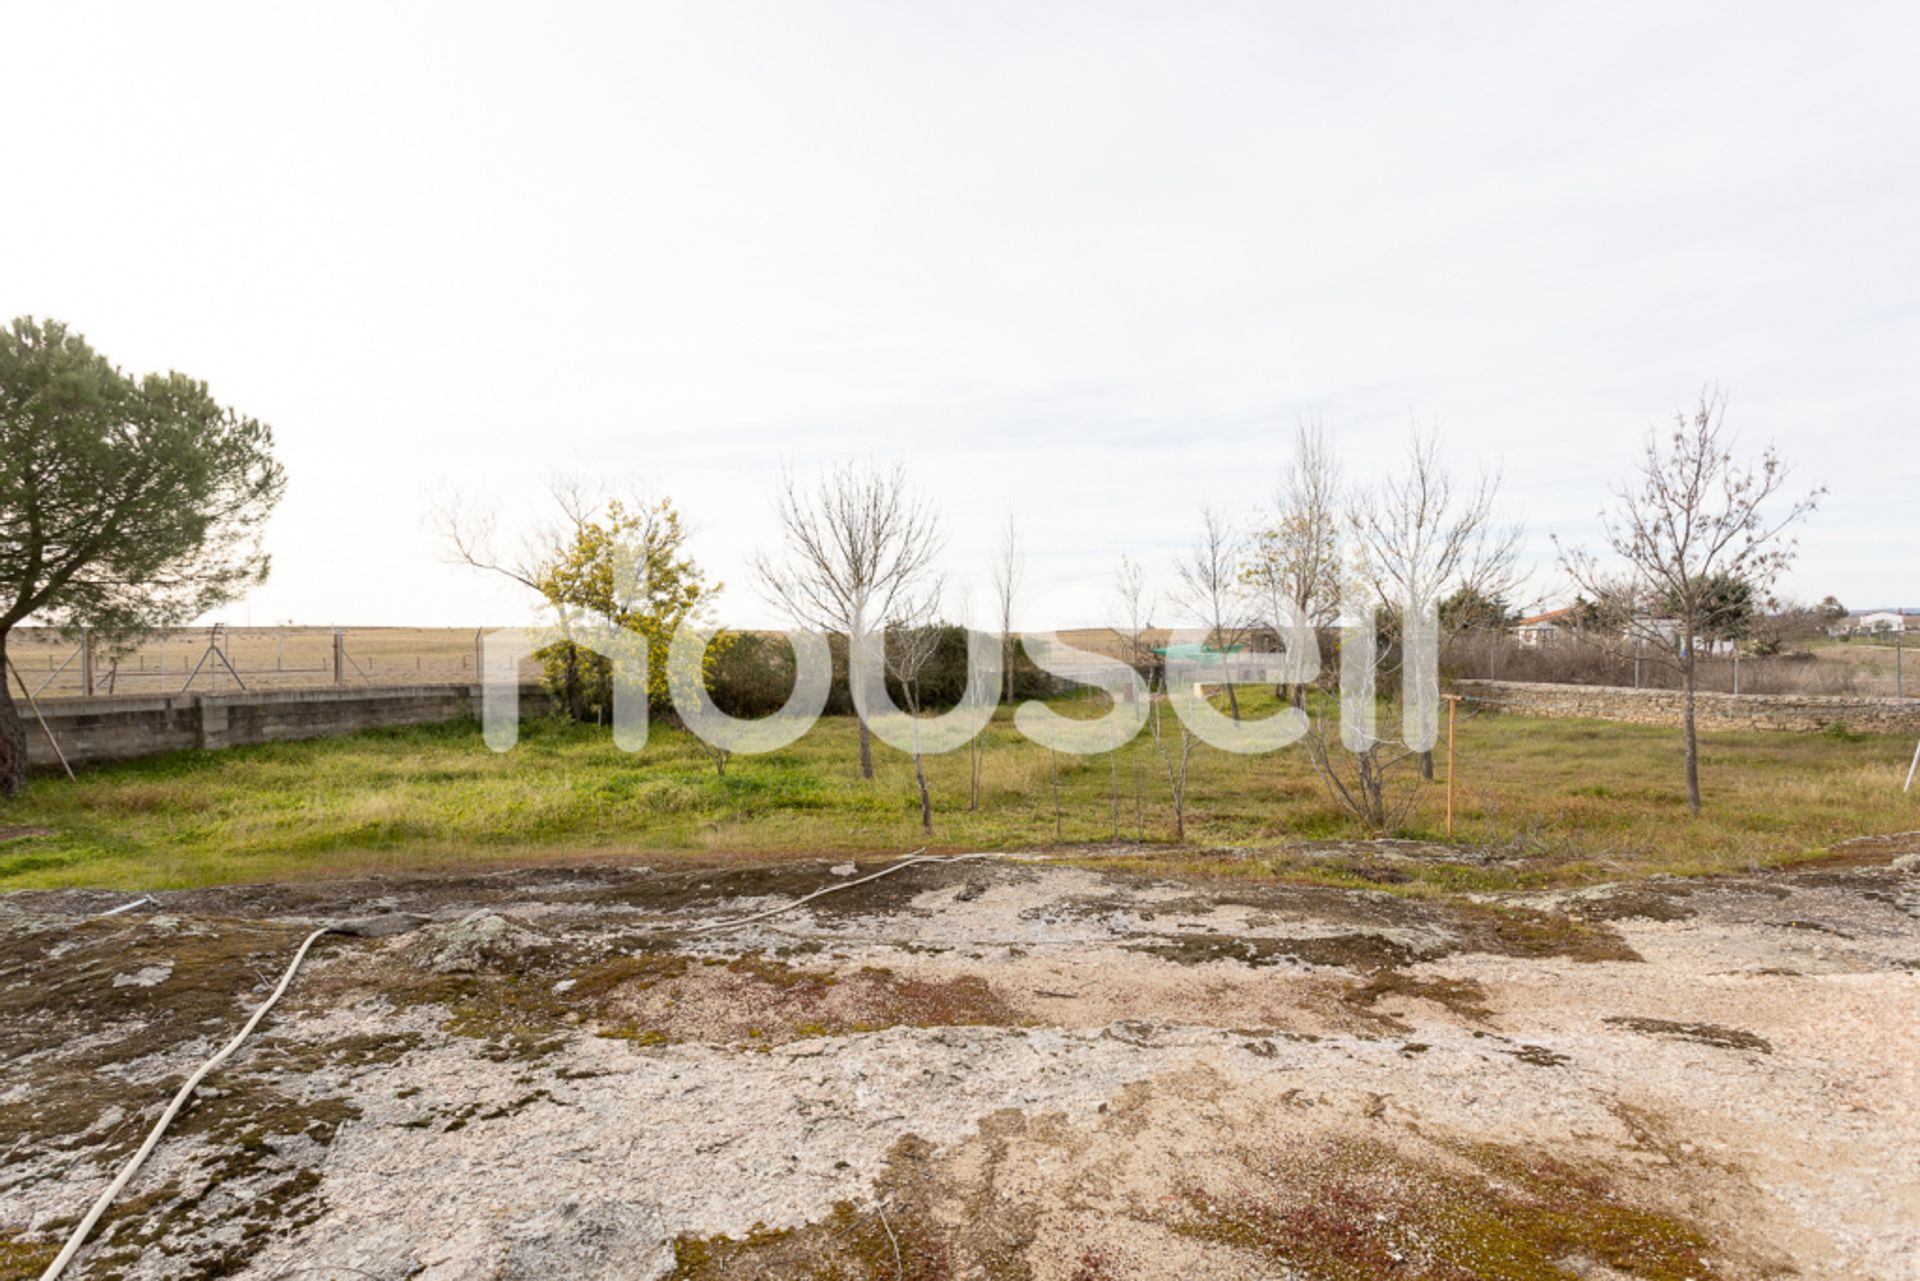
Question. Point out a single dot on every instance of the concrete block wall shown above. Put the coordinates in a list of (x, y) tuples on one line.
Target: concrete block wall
[(125, 728), (1791, 712)]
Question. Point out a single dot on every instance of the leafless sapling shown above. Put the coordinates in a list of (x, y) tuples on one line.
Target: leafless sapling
[(859, 542), (1693, 519), (1209, 590)]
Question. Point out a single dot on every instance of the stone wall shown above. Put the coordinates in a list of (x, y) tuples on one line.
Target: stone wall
[(123, 728), (1711, 711)]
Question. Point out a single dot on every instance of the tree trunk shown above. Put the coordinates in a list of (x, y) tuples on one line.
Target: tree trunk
[(973, 772), (13, 733), (1426, 766), (1055, 758), (1693, 741), (866, 748), (1233, 701), (1008, 652), (926, 802)]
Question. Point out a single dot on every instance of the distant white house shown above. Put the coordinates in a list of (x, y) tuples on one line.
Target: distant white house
[(1880, 622), (1666, 631), (1557, 625), (1543, 629)]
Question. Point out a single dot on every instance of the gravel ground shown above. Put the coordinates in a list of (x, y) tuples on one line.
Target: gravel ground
[(989, 1067)]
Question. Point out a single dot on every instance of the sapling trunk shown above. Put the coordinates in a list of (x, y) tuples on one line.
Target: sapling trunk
[(1693, 741)]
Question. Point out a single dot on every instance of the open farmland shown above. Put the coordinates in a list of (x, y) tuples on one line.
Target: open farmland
[(266, 658)]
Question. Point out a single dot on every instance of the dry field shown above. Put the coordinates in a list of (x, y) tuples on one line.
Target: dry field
[(995, 1066)]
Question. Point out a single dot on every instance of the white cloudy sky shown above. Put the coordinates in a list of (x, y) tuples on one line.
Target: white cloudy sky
[(1084, 263)]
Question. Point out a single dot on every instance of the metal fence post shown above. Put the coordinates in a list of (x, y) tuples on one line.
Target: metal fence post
[(86, 661), (339, 657)]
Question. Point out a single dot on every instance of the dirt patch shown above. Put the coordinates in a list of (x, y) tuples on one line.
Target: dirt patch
[(22, 833), (713, 891), (751, 999), (88, 1007), (992, 1069), (1367, 1211), (1522, 932), (1725, 1038), (1348, 951), (1637, 902), (1464, 998), (1302, 1193)]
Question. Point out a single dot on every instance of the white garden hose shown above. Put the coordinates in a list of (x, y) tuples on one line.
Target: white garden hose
[(79, 1236), (906, 862), (86, 1225)]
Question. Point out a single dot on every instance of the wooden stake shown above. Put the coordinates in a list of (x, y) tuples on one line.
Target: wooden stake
[(1055, 758), (1911, 768), (44, 727)]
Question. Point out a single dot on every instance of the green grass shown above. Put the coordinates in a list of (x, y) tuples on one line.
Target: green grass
[(1573, 800)]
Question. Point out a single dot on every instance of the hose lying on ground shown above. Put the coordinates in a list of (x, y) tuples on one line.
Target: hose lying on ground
[(907, 861), (374, 927), (127, 1171)]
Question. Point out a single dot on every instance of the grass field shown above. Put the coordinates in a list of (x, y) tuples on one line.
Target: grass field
[(1562, 801)]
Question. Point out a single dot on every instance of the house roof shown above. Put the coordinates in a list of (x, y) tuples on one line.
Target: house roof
[(1202, 653), (1551, 616)]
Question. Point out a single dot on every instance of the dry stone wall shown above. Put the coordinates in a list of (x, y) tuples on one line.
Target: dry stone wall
[(1793, 712)]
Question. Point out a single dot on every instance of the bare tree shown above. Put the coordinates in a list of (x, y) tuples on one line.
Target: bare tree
[(1420, 536), (1176, 758), (469, 535), (977, 744), (912, 638), (1009, 569), (1209, 589), (1695, 519), (1134, 609), (1360, 781), (1293, 569), (859, 542)]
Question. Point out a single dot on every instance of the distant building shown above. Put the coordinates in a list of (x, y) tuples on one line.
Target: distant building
[(1543, 629), (1881, 622)]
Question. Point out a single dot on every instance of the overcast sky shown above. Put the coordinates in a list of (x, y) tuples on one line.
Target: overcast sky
[(1087, 264)]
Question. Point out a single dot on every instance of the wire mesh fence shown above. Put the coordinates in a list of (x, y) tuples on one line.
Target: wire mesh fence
[(221, 659), (227, 659)]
